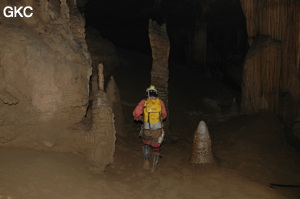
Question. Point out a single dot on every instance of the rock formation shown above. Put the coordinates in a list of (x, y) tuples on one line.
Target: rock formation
[(160, 60), (42, 65), (102, 135), (202, 153), (113, 96), (262, 76), (271, 70), (45, 70)]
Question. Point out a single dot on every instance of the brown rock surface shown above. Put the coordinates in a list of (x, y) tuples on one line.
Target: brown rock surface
[(45, 70)]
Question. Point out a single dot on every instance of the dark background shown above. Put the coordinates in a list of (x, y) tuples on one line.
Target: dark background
[(125, 24)]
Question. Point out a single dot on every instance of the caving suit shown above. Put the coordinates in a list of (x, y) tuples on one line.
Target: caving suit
[(152, 132)]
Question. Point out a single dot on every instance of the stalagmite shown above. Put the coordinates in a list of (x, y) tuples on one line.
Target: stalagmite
[(113, 96), (202, 153), (101, 77), (160, 46), (103, 131)]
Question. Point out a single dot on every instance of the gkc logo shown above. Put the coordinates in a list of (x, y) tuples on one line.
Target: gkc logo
[(15, 11)]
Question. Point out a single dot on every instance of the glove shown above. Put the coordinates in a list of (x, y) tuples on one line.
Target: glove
[(140, 118)]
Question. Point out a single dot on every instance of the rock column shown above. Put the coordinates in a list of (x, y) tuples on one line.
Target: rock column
[(160, 53)]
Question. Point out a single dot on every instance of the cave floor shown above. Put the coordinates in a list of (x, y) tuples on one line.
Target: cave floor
[(250, 153)]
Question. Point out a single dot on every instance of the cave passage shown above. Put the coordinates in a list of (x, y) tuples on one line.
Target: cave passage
[(223, 48)]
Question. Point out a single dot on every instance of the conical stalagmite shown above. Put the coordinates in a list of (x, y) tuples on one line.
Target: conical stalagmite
[(202, 153)]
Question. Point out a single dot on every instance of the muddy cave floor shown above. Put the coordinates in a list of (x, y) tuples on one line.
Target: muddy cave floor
[(250, 151)]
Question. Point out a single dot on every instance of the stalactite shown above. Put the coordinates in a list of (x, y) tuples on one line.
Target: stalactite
[(160, 53)]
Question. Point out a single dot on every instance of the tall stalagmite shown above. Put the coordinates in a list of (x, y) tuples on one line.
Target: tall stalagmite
[(160, 45), (102, 136)]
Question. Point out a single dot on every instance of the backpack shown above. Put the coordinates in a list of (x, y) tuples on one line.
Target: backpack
[(152, 110)]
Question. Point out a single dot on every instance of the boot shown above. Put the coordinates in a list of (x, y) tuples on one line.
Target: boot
[(146, 153), (155, 158), (146, 165)]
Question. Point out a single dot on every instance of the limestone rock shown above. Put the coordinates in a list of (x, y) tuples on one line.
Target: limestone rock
[(102, 136), (45, 70), (113, 96), (8, 98), (160, 46), (202, 153)]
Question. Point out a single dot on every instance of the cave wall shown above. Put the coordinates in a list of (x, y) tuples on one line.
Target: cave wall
[(271, 69), (45, 69)]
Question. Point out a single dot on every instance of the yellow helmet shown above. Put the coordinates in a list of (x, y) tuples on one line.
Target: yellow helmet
[(151, 87), (151, 91)]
